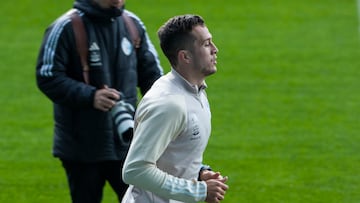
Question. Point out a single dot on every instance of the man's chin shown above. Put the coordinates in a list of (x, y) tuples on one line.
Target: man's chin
[(117, 4), (212, 71)]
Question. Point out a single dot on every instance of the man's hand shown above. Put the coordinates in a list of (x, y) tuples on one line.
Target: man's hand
[(207, 175), (105, 98), (216, 189)]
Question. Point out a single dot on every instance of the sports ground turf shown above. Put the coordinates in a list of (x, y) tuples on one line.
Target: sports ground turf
[(285, 100)]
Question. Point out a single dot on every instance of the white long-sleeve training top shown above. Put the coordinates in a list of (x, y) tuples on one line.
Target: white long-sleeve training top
[(172, 128)]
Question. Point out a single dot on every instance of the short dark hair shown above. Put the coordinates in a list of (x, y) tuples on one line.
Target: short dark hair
[(175, 35)]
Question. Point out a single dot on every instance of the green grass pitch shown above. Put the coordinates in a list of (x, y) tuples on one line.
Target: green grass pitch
[(285, 100)]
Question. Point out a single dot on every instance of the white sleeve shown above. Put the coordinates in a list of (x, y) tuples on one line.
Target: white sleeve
[(156, 126)]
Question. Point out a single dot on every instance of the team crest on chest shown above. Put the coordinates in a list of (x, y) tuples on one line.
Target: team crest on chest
[(126, 46), (194, 127)]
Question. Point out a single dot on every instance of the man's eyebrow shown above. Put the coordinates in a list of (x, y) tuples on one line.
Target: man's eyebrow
[(207, 40)]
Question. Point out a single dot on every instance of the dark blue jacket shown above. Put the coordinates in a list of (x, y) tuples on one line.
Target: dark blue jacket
[(81, 132)]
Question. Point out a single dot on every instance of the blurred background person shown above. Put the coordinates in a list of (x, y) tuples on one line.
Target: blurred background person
[(93, 109)]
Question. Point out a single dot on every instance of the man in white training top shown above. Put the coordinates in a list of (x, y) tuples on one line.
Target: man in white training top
[(173, 123)]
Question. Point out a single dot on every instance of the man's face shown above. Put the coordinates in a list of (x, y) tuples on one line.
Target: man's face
[(110, 3), (204, 51)]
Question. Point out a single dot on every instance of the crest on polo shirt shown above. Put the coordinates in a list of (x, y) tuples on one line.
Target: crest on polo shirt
[(194, 127)]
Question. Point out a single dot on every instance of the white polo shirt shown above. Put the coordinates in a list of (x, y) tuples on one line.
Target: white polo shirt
[(172, 128)]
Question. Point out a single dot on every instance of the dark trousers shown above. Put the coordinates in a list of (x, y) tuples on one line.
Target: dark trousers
[(87, 180)]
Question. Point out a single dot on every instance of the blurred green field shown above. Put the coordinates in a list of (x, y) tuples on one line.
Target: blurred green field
[(285, 101)]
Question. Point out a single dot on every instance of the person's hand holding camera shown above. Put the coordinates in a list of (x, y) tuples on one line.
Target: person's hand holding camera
[(106, 98)]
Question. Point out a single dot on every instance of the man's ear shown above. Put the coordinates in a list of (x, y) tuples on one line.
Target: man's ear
[(184, 55)]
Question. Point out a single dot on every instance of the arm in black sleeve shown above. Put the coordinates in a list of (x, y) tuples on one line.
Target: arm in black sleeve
[(58, 69)]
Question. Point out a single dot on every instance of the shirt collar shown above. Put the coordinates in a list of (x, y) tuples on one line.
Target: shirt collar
[(186, 84)]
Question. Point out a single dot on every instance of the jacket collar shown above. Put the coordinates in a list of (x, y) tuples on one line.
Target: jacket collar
[(94, 11)]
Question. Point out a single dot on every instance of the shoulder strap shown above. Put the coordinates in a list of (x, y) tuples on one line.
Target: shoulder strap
[(134, 32), (81, 42)]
